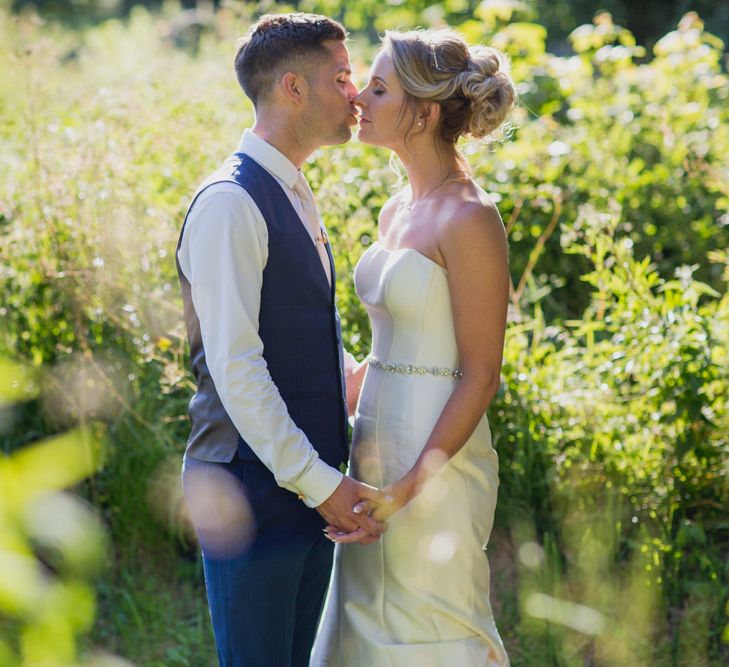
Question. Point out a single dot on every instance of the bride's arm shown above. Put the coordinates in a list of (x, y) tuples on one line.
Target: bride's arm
[(475, 251)]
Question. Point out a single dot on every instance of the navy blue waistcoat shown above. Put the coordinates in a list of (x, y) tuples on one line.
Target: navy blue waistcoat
[(298, 324)]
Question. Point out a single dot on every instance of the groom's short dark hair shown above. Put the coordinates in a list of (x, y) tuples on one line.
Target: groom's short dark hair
[(278, 41)]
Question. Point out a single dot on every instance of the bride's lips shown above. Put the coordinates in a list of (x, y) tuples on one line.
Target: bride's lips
[(364, 120)]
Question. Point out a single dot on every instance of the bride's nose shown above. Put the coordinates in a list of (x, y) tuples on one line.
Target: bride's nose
[(352, 92), (358, 101)]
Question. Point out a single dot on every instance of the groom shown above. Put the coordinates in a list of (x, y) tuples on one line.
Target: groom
[(269, 424)]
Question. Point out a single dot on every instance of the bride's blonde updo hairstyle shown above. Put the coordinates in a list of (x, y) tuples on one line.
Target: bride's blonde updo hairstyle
[(469, 83)]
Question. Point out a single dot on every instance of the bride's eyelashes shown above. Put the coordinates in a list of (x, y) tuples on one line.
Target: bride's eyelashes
[(375, 91)]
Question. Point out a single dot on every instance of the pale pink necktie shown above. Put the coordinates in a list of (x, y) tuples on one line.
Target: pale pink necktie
[(313, 222)]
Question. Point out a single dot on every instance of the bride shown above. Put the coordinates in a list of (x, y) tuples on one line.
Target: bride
[(436, 287)]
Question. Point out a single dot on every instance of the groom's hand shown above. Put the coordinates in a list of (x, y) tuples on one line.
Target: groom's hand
[(337, 510)]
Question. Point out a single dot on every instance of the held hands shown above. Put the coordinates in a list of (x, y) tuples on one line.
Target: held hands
[(390, 499), (339, 510)]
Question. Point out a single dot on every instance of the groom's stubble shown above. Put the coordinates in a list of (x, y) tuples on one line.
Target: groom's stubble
[(328, 118)]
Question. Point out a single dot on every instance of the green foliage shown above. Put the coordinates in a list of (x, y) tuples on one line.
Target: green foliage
[(627, 405), (51, 543), (612, 421), (651, 137)]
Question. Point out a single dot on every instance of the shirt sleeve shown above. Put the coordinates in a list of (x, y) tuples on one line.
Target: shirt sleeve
[(223, 253)]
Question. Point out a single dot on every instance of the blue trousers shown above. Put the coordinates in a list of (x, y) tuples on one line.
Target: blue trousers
[(266, 562)]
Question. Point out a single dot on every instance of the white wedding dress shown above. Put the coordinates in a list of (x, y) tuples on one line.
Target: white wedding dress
[(420, 594)]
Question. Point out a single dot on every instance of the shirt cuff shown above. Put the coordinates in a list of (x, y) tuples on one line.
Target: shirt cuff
[(318, 483)]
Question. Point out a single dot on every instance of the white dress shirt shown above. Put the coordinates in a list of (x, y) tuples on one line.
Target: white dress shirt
[(223, 252)]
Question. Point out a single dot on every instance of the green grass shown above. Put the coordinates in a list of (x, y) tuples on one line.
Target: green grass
[(153, 611)]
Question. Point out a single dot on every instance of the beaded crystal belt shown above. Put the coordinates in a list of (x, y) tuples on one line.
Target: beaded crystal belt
[(415, 370)]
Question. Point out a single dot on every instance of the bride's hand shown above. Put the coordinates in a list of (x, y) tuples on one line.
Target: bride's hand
[(401, 492), (398, 494), (359, 536), (341, 536)]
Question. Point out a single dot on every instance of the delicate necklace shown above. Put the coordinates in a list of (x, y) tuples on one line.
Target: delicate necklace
[(411, 204)]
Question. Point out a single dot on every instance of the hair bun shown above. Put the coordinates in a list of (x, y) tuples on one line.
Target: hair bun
[(489, 88), (471, 85)]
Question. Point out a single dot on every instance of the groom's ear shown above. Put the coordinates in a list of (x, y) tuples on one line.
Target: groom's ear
[(293, 87)]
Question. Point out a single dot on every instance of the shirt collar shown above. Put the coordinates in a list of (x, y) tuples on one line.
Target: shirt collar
[(268, 157)]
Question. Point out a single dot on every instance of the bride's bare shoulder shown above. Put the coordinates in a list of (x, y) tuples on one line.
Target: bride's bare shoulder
[(471, 222), (468, 205)]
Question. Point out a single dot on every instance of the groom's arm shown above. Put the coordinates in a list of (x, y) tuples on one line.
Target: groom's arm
[(223, 253)]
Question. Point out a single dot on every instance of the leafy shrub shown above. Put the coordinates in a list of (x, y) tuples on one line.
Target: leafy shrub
[(627, 406)]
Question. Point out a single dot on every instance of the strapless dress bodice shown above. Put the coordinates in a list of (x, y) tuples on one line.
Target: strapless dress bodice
[(407, 299)]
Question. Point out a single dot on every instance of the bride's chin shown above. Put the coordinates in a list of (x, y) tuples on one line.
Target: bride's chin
[(362, 137)]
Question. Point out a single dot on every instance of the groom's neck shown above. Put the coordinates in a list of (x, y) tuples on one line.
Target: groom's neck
[(282, 134)]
